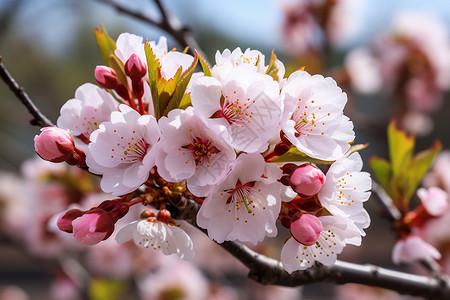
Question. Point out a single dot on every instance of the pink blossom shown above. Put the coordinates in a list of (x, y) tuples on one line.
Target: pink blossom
[(93, 227), (363, 69), (54, 144), (227, 60), (244, 206), (123, 151), (412, 248), (178, 278), (434, 200), (128, 44), (313, 118), (306, 229), (192, 151), (307, 180), (244, 108), (346, 187), (84, 113)]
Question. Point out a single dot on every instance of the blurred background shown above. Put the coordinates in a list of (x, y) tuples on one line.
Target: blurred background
[(391, 57)]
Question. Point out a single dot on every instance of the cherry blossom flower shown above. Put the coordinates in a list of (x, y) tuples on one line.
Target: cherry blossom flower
[(346, 187), (363, 70), (128, 44), (313, 117), (412, 248), (84, 113), (157, 235), (244, 206), (192, 151), (434, 200), (122, 150), (336, 233), (175, 280), (245, 107), (227, 60)]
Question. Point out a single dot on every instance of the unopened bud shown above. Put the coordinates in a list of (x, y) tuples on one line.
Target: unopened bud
[(135, 68), (106, 77), (64, 221), (165, 216), (93, 227), (54, 144), (306, 229), (148, 213), (307, 180)]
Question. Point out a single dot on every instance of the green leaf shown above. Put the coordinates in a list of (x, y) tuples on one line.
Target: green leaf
[(106, 45), (181, 87), (154, 75), (401, 148), (104, 289), (411, 177), (205, 67), (382, 171), (166, 88), (294, 155), (356, 148), (118, 66), (273, 69), (185, 101)]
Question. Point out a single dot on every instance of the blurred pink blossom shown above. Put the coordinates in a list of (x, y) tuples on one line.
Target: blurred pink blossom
[(412, 248)]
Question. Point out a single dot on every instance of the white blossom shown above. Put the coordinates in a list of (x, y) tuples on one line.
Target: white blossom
[(156, 235)]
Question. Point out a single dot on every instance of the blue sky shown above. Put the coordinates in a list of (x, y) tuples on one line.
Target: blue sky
[(49, 22)]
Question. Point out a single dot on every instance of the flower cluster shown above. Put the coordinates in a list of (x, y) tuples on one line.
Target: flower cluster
[(410, 62), (238, 138)]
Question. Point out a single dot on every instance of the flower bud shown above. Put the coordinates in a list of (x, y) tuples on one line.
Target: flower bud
[(54, 144), (64, 221), (306, 229), (93, 227), (307, 180), (106, 77), (134, 68), (165, 217)]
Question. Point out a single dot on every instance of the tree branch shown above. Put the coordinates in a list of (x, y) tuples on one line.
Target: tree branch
[(168, 23), (39, 118), (267, 271)]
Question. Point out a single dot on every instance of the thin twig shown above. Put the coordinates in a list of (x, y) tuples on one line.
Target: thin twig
[(39, 118), (394, 215), (267, 271), (386, 201), (168, 23)]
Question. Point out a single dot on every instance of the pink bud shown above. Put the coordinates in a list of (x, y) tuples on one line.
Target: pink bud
[(165, 217), (106, 77), (54, 144), (93, 227), (434, 200), (134, 68), (307, 180), (64, 221), (306, 229)]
